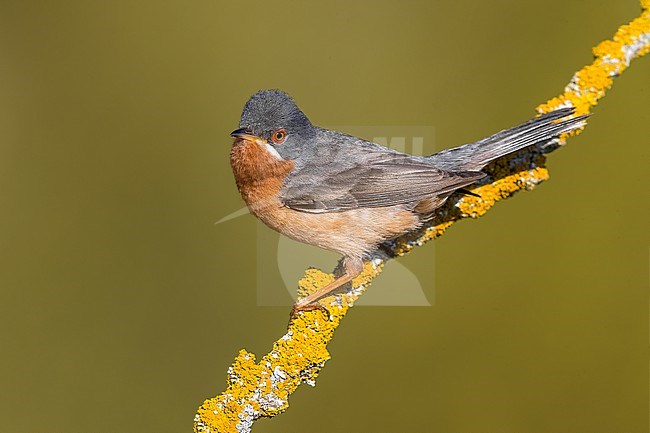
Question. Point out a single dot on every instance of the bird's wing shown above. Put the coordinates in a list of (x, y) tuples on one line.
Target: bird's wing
[(393, 179)]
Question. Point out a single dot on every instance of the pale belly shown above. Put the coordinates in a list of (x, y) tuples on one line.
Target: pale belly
[(352, 233)]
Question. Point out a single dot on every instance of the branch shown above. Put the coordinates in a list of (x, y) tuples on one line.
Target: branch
[(262, 389)]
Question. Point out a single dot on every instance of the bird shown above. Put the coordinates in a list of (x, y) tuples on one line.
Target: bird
[(348, 195)]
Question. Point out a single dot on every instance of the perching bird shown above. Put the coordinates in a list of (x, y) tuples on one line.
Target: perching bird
[(345, 194)]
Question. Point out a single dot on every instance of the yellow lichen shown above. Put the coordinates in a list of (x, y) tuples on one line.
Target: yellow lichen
[(612, 57), (262, 389)]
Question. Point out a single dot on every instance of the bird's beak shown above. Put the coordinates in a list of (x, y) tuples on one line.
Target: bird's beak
[(243, 133)]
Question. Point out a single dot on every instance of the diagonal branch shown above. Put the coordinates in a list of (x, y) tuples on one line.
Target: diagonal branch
[(261, 389)]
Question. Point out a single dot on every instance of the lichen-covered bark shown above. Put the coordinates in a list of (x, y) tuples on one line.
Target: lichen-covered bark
[(262, 388)]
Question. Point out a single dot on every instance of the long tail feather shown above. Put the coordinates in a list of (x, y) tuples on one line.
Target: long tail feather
[(475, 156)]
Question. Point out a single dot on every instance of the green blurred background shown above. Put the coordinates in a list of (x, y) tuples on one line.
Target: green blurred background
[(122, 304)]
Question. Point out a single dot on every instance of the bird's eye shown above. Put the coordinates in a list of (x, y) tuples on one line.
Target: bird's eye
[(279, 136)]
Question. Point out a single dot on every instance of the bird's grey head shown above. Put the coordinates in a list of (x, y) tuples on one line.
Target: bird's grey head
[(275, 117)]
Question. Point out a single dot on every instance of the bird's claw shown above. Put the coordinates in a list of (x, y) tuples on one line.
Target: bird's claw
[(297, 308)]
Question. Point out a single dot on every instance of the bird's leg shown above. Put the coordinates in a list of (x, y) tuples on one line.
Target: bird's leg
[(352, 267)]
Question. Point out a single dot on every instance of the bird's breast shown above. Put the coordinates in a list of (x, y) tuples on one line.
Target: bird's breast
[(259, 173)]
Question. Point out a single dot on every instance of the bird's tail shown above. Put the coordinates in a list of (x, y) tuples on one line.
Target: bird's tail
[(475, 156)]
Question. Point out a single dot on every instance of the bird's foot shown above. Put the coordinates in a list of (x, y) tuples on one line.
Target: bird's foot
[(298, 308)]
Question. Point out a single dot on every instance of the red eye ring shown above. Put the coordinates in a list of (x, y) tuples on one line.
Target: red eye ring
[(279, 136)]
